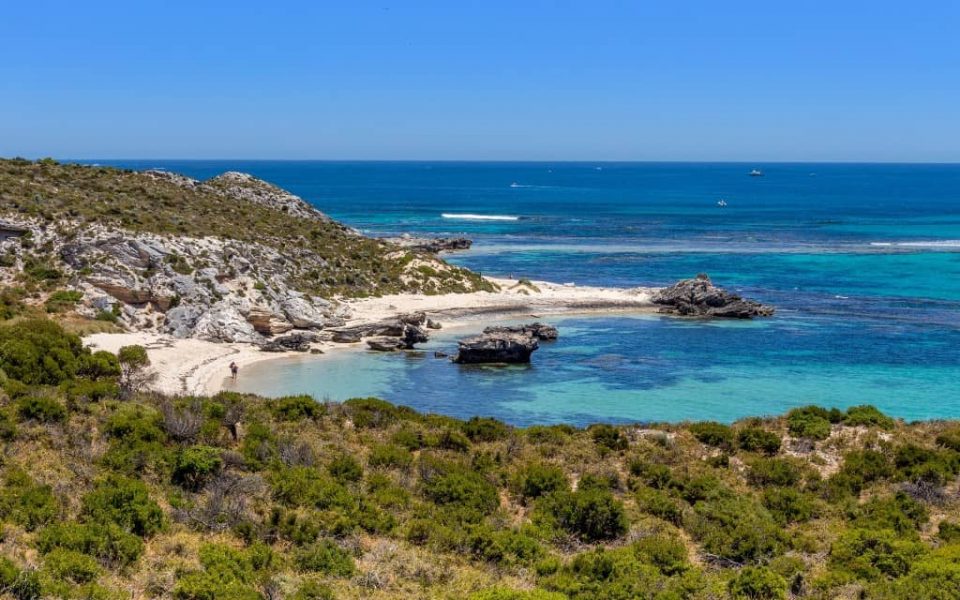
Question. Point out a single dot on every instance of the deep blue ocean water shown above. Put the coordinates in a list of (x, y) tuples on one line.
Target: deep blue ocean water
[(862, 261)]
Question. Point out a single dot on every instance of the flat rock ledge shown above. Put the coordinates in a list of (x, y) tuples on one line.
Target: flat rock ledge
[(698, 297)]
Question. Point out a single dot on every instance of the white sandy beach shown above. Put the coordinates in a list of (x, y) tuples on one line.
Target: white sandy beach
[(197, 367)]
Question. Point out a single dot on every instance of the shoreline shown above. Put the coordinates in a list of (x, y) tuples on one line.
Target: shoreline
[(190, 366)]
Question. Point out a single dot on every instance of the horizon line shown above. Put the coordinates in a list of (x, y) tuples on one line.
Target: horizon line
[(507, 161)]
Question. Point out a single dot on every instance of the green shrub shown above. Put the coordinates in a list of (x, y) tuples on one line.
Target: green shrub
[(591, 515), (773, 471), (8, 425), (899, 513), (11, 298), (935, 576), (17, 583), (62, 301), (90, 391), (311, 590), (873, 553), (868, 416), (411, 439), (660, 504), (860, 468), (324, 557), (789, 505), (196, 465), (451, 439), (712, 433), (919, 464), (124, 502), (539, 479), (106, 542), (668, 554), (654, 475), (345, 468), (295, 408), (40, 352), (811, 422), (41, 407), (757, 439), (308, 487), (948, 532), (758, 583), (68, 565), (371, 412), (26, 503), (259, 446), (390, 456), (485, 429), (608, 437), (950, 438), (736, 528), (507, 594), (227, 575), (467, 491)]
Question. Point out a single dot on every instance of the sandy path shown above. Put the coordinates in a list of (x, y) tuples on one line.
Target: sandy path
[(197, 367)]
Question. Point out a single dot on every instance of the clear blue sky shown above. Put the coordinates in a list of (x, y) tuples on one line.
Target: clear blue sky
[(511, 80)]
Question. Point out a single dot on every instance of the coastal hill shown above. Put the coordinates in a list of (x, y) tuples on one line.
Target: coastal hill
[(112, 492), (232, 258)]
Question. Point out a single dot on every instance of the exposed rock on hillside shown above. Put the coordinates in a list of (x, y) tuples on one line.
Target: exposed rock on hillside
[(698, 297), (229, 259)]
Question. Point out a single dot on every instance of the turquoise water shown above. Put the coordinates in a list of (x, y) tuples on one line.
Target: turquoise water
[(862, 261)]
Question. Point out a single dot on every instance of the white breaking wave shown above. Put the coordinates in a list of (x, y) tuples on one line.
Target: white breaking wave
[(472, 217), (931, 244)]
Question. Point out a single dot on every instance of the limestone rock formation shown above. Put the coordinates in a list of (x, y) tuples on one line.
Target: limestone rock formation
[(698, 297), (537, 330), (499, 347)]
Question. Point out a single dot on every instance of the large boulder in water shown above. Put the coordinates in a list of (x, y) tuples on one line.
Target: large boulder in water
[(698, 297), (498, 347)]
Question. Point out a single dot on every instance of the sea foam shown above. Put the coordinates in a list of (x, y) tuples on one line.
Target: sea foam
[(473, 217), (920, 244)]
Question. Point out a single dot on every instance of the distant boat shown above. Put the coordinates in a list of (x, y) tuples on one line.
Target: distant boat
[(514, 185), (756, 173), (721, 202)]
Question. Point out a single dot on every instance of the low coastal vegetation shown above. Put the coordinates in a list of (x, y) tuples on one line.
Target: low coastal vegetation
[(110, 491)]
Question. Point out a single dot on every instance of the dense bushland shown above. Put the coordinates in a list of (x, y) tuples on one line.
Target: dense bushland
[(107, 491)]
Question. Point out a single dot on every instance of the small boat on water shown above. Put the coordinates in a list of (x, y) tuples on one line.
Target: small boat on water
[(756, 173), (721, 202)]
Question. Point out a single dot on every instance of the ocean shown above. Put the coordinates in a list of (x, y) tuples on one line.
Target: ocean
[(862, 262)]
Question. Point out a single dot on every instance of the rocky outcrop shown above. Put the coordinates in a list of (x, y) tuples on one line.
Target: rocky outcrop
[(431, 245), (246, 187), (502, 347), (537, 330), (292, 342), (266, 322), (698, 297), (224, 322), (305, 314), (401, 333), (384, 344)]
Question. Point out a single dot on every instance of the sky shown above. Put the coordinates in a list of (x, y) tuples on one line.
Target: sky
[(689, 80)]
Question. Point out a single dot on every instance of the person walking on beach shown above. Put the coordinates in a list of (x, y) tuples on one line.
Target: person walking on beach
[(234, 369)]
